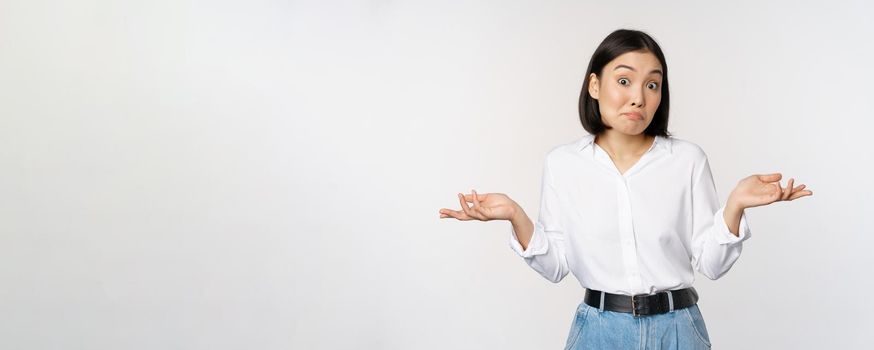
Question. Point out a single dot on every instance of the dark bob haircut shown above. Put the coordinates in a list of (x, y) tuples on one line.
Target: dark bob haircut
[(614, 45)]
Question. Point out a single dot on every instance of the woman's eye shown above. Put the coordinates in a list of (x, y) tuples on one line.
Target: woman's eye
[(653, 86), (623, 81)]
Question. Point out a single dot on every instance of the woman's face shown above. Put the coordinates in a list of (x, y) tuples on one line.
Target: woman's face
[(628, 91)]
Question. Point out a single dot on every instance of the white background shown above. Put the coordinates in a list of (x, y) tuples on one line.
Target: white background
[(268, 174)]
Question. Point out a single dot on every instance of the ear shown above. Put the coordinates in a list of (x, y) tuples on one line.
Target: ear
[(593, 85)]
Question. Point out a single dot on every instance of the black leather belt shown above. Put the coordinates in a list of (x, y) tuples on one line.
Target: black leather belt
[(643, 304)]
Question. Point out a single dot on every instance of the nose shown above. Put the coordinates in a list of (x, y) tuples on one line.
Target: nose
[(637, 98)]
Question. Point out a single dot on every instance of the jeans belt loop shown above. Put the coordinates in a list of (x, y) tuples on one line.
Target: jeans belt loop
[(670, 302), (603, 296)]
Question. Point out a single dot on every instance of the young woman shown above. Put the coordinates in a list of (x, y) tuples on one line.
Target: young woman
[(631, 211)]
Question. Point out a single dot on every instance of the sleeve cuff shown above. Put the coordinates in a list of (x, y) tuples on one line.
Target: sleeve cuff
[(537, 246), (724, 236)]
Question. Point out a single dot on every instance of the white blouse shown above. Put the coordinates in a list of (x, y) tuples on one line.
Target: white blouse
[(635, 233)]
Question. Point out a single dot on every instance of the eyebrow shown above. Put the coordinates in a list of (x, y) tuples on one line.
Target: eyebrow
[(659, 71)]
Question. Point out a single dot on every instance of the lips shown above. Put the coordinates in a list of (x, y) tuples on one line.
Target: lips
[(633, 115)]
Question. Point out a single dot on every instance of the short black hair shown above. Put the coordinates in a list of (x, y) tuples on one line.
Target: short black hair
[(614, 45)]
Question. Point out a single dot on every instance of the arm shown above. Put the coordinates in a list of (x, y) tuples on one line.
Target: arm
[(541, 244), (716, 247), (523, 227), (717, 232), (732, 215)]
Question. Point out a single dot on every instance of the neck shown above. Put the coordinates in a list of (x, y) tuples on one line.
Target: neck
[(622, 146)]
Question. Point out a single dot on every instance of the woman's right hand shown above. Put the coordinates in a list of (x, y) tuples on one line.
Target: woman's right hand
[(489, 206)]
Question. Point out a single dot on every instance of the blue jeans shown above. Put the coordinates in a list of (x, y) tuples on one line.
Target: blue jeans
[(593, 328)]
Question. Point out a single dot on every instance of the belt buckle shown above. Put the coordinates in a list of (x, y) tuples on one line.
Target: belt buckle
[(634, 307)]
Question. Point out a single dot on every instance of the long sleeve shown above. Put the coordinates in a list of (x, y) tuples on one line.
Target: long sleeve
[(715, 249), (546, 251)]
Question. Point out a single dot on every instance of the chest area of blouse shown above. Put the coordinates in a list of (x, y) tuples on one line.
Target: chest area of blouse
[(591, 177), (622, 165), (603, 203)]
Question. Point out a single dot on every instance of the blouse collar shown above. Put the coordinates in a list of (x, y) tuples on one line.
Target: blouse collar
[(660, 141)]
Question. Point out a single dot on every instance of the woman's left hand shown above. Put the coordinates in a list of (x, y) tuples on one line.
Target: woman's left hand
[(756, 190)]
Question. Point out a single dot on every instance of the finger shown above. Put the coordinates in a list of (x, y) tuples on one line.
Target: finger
[(476, 207), (443, 213), (797, 189), (458, 214), (777, 192), (464, 206), (482, 197), (788, 190), (797, 195), (770, 177), (467, 210)]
